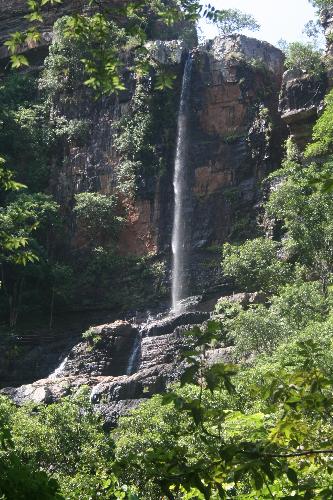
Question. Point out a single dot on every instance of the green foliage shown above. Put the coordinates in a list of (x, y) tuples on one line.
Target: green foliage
[(64, 441), (322, 139), (322, 4), (306, 216), (26, 138), (234, 21), (7, 182), (108, 280), (223, 435), (145, 148), (300, 303), (97, 216), (255, 265), (103, 65), (26, 214), (19, 479), (91, 336), (257, 330), (305, 57), (29, 225)]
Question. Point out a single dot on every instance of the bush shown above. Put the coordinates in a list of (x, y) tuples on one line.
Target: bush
[(305, 57), (300, 303), (254, 266), (97, 216), (257, 330), (322, 143)]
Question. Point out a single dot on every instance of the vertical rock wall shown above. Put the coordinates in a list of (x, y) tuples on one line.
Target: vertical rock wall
[(236, 138)]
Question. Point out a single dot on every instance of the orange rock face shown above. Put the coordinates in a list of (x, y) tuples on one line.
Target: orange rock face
[(138, 236), (209, 181), (224, 112)]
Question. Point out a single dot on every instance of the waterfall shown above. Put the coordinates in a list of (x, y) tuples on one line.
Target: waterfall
[(134, 357), (180, 185), (57, 372)]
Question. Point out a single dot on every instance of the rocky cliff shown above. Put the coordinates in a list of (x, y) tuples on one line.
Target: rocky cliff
[(235, 138), (302, 96)]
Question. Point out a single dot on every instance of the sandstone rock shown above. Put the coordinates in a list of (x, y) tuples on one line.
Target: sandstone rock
[(301, 100), (166, 52)]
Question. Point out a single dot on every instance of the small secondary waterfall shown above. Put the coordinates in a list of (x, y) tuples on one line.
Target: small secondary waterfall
[(134, 357), (57, 372), (180, 185)]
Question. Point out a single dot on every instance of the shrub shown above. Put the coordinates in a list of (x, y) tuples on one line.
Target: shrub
[(300, 303), (97, 215), (257, 330), (254, 265), (305, 57)]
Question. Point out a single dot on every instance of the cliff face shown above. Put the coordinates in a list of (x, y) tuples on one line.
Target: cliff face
[(235, 136), (301, 100), (302, 96), (235, 141)]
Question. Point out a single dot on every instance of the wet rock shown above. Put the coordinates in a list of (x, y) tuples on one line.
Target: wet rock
[(105, 352), (100, 363), (168, 324)]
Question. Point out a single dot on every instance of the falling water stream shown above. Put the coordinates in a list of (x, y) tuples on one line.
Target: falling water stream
[(180, 184)]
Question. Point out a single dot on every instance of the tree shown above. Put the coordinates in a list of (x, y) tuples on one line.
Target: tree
[(321, 4), (18, 479), (305, 57), (255, 266), (103, 64), (305, 215), (256, 432), (322, 137), (231, 21), (97, 216), (27, 224), (257, 330), (300, 303)]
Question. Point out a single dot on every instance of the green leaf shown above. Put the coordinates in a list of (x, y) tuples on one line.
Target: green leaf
[(292, 475), (18, 60)]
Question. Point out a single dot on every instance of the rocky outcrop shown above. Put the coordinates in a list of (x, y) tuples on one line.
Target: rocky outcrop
[(105, 351), (302, 95), (235, 141), (301, 101), (121, 364), (235, 138)]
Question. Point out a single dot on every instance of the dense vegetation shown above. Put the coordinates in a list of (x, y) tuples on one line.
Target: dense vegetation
[(255, 428)]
